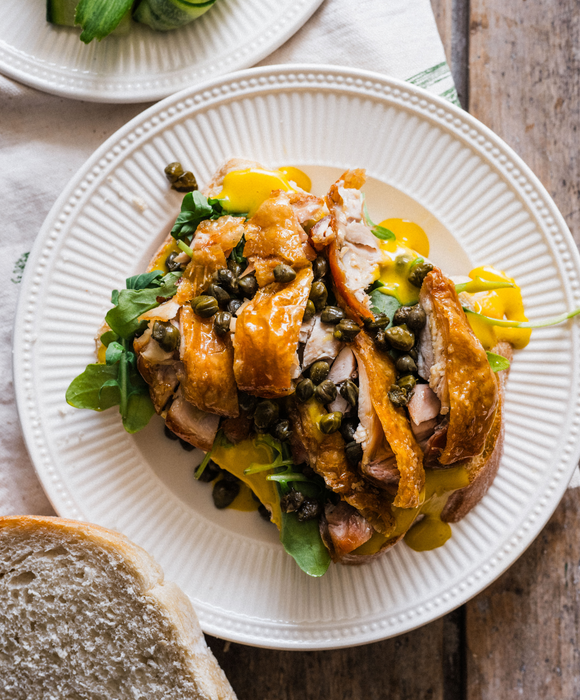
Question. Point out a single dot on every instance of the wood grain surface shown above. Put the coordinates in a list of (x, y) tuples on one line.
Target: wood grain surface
[(516, 64)]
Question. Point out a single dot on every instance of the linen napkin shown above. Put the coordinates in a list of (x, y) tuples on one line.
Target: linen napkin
[(44, 139)]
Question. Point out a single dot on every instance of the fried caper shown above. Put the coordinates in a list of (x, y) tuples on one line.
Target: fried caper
[(187, 446), (348, 429), (226, 279), (398, 395), (400, 338), (325, 392), (309, 510), (205, 306), (332, 314), (284, 273), (318, 294), (248, 285), (346, 330), (291, 502), (407, 382), (282, 430), (413, 316), (224, 492), (247, 402), (349, 392), (170, 434), (309, 311), (171, 264), (166, 334), (319, 268), (266, 413), (264, 513), (419, 272), (402, 261), (234, 267), (381, 341), (221, 322), (406, 364), (304, 390), (173, 172), (211, 472), (186, 183), (330, 422), (414, 353), (319, 371), (354, 453), (379, 322), (218, 292), (233, 306)]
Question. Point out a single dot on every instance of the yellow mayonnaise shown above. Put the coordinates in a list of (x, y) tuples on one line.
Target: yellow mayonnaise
[(501, 304), (430, 532), (408, 234), (244, 190)]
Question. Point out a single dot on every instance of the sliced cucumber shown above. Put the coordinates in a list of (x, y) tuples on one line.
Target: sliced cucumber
[(61, 12), (163, 15)]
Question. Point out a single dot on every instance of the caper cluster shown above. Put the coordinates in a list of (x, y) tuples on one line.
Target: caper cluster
[(269, 415), (180, 179), (225, 295), (187, 446), (166, 334), (225, 489), (305, 508)]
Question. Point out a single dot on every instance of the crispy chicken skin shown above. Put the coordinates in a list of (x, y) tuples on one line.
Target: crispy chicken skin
[(273, 237), (207, 378), (325, 454), (458, 372), (381, 374), (266, 337)]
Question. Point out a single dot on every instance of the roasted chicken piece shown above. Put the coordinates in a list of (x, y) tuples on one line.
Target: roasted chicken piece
[(380, 375), (353, 251), (343, 530), (266, 337), (207, 378), (455, 364), (190, 424), (326, 455)]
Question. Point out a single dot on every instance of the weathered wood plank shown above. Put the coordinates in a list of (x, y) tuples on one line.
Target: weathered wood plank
[(410, 666), (524, 73), (452, 17)]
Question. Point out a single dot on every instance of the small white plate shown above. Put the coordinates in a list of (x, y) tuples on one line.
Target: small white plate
[(143, 66), (427, 161)]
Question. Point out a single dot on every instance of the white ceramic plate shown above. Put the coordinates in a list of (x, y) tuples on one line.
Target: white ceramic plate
[(145, 65), (427, 161)]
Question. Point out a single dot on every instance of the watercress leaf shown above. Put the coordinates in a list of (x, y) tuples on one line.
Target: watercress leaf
[(98, 18), (384, 304), (140, 410), (85, 390), (115, 297), (147, 279), (114, 352), (497, 362), (108, 337), (123, 318), (194, 209), (302, 541), (237, 253), (416, 261), (109, 382), (383, 233)]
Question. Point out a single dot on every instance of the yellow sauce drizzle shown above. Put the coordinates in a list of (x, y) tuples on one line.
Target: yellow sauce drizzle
[(394, 272), (430, 532), (244, 500), (244, 190), (408, 234), (238, 458), (158, 263), (502, 304)]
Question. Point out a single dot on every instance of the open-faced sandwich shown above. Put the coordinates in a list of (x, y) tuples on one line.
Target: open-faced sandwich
[(325, 365)]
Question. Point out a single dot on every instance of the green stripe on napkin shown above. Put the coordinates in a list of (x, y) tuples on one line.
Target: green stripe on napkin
[(437, 79)]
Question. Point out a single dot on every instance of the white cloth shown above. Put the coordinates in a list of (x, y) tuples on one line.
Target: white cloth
[(45, 139)]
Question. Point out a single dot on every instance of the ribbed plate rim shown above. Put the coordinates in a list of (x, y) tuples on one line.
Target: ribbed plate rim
[(48, 77), (256, 81)]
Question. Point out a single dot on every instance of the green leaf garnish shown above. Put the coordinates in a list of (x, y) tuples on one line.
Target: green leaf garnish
[(195, 208), (384, 304), (98, 18), (182, 245), (480, 285), (522, 324), (237, 253), (497, 362), (383, 233)]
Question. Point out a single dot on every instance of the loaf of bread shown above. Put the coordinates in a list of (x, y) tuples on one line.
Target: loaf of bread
[(85, 613)]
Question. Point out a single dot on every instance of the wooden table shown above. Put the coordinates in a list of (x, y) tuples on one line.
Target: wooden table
[(517, 68)]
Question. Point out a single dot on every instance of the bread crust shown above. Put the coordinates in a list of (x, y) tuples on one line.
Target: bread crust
[(169, 600)]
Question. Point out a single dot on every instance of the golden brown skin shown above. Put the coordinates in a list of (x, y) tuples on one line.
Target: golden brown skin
[(469, 384), (327, 457), (381, 374), (274, 237), (266, 337), (483, 468), (208, 379), (214, 240)]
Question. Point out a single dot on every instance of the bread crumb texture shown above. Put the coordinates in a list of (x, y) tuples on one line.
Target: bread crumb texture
[(84, 613)]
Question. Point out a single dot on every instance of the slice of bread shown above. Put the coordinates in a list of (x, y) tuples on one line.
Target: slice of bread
[(85, 613)]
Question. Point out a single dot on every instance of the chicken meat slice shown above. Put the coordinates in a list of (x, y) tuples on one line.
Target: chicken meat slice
[(197, 427), (321, 344), (158, 368), (455, 364), (344, 529)]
